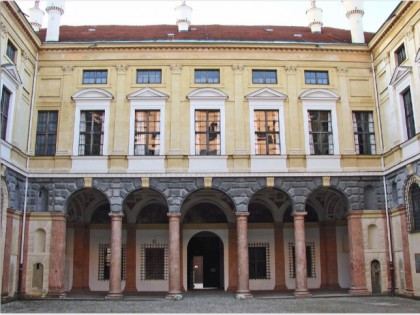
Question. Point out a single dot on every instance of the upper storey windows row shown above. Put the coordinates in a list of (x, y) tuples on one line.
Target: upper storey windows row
[(206, 76)]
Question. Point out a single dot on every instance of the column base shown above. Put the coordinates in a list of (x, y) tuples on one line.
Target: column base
[(280, 287), (409, 292), (174, 296), (114, 296), (56, 294), (358, 291), (243, 295), (303, 293)]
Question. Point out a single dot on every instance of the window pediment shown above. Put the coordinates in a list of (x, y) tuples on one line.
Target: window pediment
[(147, 94), (92, 94), (319, 94), (266, 94), (11, 71), (207, 93), (399, 73)]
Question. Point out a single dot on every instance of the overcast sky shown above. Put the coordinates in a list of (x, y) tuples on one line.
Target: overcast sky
[(237, 12)]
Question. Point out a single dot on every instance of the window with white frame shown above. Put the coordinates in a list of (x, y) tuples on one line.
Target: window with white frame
[(267, 122), (364, 133), (320, 116), (267, 132), (408, 113), (91, 122), (147, 132), (146, 128), (91, 135), (207, 121), (320, 132), (4, 111)]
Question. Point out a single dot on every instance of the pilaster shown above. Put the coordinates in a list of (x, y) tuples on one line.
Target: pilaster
[(175, 110)]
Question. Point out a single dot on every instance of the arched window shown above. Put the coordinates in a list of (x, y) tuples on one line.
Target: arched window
[(412, 200), (414, 195)]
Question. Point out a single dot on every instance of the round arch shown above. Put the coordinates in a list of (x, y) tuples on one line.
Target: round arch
[(275, 199)]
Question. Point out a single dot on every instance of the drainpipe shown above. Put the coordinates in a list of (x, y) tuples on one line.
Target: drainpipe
[(388, 223), (28, 146)]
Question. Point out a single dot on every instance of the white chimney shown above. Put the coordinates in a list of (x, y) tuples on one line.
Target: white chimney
[(55, 9), (314, 16), (36, 16), (183, 17), (354, 12)]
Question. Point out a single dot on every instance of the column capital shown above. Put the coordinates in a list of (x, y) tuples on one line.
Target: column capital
[(238, 69), (68, 69), (291, 69), (174, 215), (176, 69), (299, 214), (116, 215), (242, 214), (342, 71), (121, 69)]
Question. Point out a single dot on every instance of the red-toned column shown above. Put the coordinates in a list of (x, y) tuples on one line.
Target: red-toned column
[(328, 253), (301, 279), (57, 255), (357, 255), (280, 280), (243, 261), (7, 253), (174, 257), (406, 253), (233, 258), (130, 283), (115, 267)]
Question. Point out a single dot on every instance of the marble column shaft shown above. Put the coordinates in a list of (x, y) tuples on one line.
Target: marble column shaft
[(174, 255), (116, 251), (301, 279), (243, 259)]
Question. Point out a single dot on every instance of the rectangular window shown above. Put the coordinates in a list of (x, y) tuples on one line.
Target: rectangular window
[(264, 76), (149, 76), (95, 76), (417, 262), (147, 132), (409, 114), (11, 51), (316, 77), (207, 76), (46, 133), (259, 261), (154, 261), (4, 113), (105, 262), (207, 132), (364, 133), (91, 133), (320, 132), (400, 55), (267, 136), (310, 260)]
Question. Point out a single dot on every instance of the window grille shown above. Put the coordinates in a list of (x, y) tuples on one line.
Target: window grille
[(310, 260), (105, 262), (259, 261), (154, 261)]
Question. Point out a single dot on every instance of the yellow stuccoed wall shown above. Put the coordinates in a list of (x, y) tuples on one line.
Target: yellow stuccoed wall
[(60, 76)]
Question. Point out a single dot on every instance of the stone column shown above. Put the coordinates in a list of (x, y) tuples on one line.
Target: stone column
[(81, 258), (243, 261), (57, 255), (406, 254), (174, 257), (130, 283), (280, 280), (7, 253), (328, 253), (357, 255), (116, 250), (301, 289), (233, 258)]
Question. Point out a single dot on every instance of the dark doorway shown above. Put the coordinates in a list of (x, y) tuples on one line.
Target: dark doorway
[(375, 273), (205, 262)]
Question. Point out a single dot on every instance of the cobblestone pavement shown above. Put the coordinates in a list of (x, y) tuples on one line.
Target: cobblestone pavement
[(219, 302)]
